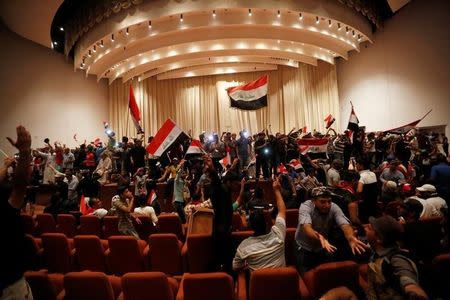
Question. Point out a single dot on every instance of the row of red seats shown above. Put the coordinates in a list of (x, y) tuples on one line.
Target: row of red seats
[(280, 283), (103, 228), (122, 254)]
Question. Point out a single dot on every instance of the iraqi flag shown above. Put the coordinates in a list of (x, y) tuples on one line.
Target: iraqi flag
[(169, 135), (195, 148), (251, 96), (296, 164), (226, 161), (134, 111), (329, 120), (151, 198), (312, 145), (281, 169)]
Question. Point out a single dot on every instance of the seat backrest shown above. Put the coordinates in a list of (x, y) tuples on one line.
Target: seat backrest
[(146, 285), (289, 245), (200, 253), (28, 224), (441, 268), (170, 223), (67, 224), (165, 253), (331, 275), (146, 228), (41, 286), (124, 255), (292, 218), (87, 286), (110, 226), (217, 286), (278, 283), (32, 259), (90, 225), (57, 254), (45, 223), (236, 223), (89, 253), (201, 221)]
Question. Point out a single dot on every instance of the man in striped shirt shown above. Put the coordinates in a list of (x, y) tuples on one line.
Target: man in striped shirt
[(264, 250)]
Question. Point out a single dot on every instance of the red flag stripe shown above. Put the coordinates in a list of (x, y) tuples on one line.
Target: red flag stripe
[(160, 136), (250, 86), (134, 109)]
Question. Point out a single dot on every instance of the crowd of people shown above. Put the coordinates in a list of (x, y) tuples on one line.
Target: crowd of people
[(366, 194)]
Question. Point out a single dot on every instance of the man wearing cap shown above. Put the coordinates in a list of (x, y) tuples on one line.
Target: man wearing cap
[(432, 204), (317, 218), (391, 274)]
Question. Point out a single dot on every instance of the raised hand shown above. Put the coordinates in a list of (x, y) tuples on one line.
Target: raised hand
[(326, 245), (357, 246), (23, 143)]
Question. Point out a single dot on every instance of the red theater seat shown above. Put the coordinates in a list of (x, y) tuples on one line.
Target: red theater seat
[(331, 275), (274, 284), (45, 223), (90, 225), (164, 252), (57, 253), (148, 285), (110, 226), (289, 245), (32, 259), (198, 253), (217, 286), (28, 224), (125, 254), (44, 286), (146, 228), (67, 224), (171, 223), (291, 218), (90, 286), (90, 253)]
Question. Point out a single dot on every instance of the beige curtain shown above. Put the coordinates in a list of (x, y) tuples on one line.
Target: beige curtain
[(298, 97)]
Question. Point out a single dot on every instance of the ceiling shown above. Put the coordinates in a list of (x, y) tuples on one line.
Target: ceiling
[(174, 38)]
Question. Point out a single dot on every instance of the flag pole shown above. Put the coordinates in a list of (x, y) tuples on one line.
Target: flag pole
[(426, 114), (4, 153)]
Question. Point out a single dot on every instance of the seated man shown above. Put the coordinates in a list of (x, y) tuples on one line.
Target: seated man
[(317, 219), (391, 274), (264, 250)]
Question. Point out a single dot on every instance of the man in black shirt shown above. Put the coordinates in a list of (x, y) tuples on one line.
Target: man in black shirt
[(12, 254), (137, 154)]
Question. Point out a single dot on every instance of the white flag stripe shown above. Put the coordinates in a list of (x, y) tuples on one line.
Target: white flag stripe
[(171, 137), (249, 95)]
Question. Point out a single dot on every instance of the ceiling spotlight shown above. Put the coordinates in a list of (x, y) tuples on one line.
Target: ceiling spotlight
[(300, 16), (279, 14), (249, 12), (150, 24), (95, 49), (61, 28), (214, 13), (317, 20), (101, 44), (181, 18), (353, 33), (339, 26), (346, 30), (127, 32), (112, 37), (329, 23), (359, 37), (89, 53)]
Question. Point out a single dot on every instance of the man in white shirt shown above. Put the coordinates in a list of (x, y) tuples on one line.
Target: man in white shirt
[(264, 250), (432, 204), (333, 177)]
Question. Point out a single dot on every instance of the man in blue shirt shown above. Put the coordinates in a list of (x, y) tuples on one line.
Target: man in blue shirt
[(317, 219), (440, 176)]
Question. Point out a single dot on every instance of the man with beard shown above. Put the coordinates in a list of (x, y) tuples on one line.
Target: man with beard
[(317, 220)]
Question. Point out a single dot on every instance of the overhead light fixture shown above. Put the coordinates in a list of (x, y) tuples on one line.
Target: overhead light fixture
[(101, 44), (61, 28), (150, 24), (339, 26), (89, 53), (359, 37), (127, 32), (329, 23), (181, 18), (95, 49), (346, 29), (279, 14), (353, 33), (112, 37), (300, 16), (249, 12), (317, 20), (214, 13)]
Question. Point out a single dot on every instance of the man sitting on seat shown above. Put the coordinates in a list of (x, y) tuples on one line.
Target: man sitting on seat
[(264, 250)]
